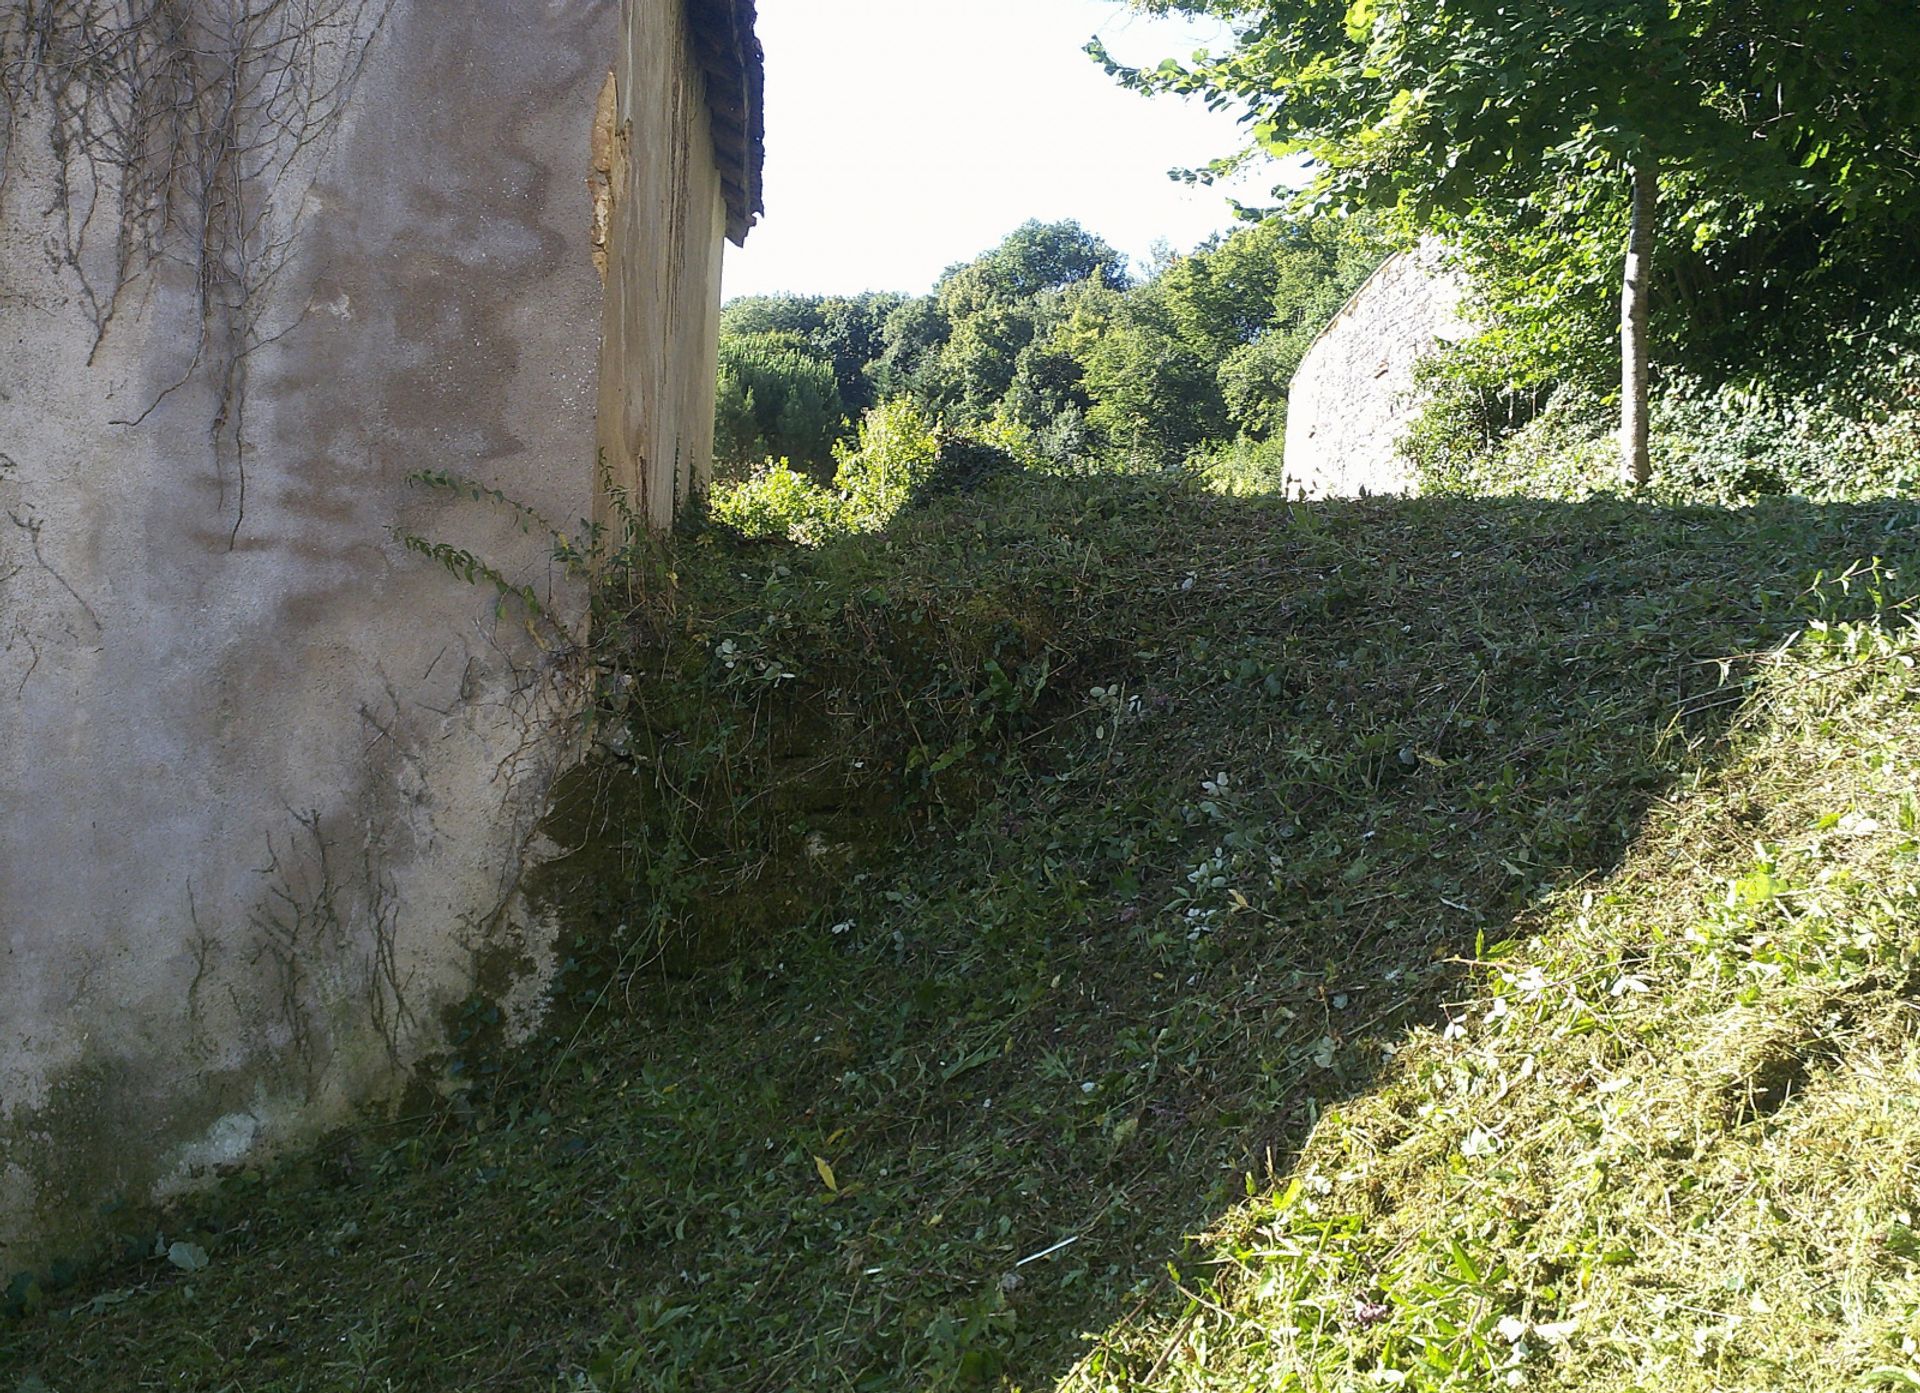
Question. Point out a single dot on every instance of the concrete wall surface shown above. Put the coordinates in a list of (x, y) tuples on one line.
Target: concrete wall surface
[(1353, 395), (665, 217), (266, 772)]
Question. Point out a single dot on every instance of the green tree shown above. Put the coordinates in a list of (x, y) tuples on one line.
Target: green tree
[(1046, 331), (852, 333), (1207, 348), (1251, 303), (1034, 258), (1456, 109), (847, 330), (746, 315), (910, 344), (960, 354), (1154, 396), (776, 399)]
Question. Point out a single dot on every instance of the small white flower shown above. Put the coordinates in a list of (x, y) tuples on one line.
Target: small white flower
[(1512, 1329)]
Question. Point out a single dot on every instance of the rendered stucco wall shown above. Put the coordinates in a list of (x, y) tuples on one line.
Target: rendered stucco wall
[(665, 221), (1353, 394), (266, 775)]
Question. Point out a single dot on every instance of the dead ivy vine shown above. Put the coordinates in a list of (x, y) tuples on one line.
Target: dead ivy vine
[(179, 140)]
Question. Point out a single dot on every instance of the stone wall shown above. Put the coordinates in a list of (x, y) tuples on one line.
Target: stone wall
[(1353, 395), (267, 773)]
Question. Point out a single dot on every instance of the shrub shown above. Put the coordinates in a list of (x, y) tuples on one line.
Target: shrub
[(776, 500), (1240, 469), (1461, 443), (896, 454), (1727, 445), (902, 459), (1730, 446)]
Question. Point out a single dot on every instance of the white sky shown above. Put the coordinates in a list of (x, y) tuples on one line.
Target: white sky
[(906, 135)]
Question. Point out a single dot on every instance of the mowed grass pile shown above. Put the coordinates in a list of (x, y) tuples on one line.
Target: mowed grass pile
[(1427, 944)]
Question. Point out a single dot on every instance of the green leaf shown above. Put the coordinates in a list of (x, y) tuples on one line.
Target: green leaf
[(1889, 1377), (1360, 15), (1462, 1264)]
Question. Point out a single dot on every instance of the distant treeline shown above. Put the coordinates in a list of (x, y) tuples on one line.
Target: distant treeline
[(1049, 335)]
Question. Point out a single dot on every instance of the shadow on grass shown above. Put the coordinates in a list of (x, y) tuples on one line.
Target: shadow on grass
[(1287, 769)]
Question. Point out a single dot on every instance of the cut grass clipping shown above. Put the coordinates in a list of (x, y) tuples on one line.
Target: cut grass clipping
[(1099, 936)]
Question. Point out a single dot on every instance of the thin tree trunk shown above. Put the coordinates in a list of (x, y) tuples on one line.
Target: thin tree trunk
[(1636, 464)]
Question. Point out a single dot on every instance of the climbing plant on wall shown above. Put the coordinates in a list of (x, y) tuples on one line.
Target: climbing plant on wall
[(181, 134)]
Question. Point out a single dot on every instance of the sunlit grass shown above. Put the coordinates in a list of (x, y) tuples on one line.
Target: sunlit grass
[(1668, 1137)]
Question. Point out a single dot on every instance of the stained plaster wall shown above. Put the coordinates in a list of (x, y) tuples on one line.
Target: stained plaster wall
[(1354, 394), (266, 776), (665, 216)]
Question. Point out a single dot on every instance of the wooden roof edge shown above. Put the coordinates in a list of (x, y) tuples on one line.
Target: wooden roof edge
[(729, 53)]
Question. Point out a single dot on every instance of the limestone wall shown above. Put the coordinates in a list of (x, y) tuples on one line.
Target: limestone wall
[(266, 773), (1353, 395)]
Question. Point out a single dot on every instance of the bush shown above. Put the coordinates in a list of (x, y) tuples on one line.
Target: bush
[(1240, 469), (1727, 445), (896, 454), (776, 500), (901, 459), (1461, 443)]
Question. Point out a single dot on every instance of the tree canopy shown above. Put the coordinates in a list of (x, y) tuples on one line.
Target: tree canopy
[(776, 399), (1049, 334), (1438, 106), (1518, 123)]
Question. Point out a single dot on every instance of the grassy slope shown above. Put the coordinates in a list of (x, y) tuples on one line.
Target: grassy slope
[(1529, 1004)]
